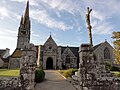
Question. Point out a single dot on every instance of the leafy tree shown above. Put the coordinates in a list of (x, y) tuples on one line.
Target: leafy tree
[(116, 42)]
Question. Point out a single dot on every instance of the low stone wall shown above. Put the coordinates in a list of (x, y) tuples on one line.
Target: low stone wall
[(25, 81), (10, 83), (93, 75), (107, 84)]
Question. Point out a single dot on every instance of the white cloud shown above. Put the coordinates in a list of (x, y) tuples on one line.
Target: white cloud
[(98, 15), (8, 34), (103, 28), (32, 2), (43, 17), (55, 7), (102, 12), (3, 12), (66, 5)]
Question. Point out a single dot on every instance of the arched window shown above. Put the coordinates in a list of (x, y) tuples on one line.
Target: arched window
[(106, 53), (67, 59)]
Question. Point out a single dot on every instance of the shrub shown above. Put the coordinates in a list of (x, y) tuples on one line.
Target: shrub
[(111, 67), (118, 75), (39, 75), (68, 73), (108, 65), (114, 68)]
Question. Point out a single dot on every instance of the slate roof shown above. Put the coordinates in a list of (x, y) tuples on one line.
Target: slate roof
[(6, 60), (2, 52), (96, 46), (73, 49)]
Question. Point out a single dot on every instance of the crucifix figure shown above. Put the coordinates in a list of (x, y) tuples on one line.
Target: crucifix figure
[(88, 24)]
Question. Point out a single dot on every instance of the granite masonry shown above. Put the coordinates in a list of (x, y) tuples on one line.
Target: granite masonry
[(27, 67), (93, 74), (27, 72)]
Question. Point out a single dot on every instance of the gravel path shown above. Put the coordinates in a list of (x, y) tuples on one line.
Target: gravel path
[(54, 81)]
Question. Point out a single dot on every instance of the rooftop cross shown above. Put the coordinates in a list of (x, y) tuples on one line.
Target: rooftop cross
[(50, 34)]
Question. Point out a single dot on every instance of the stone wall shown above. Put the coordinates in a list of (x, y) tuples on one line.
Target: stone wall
[(1, 63), (73, 59), (27, 72), (10, 83), (14, 63), (93, 75), (99, 52)]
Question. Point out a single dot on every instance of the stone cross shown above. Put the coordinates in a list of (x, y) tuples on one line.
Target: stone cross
[(89, 25)]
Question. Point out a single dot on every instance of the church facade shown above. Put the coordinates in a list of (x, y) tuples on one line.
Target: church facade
[(52, 56)]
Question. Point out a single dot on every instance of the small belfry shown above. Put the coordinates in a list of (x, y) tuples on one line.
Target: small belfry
[(89, 25), (24, 29)]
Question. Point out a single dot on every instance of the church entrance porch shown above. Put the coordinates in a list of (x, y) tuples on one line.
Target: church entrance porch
[(49, 63)]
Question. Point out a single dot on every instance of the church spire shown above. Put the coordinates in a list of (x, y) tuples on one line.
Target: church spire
[(27, 10), (24, 29), (25, 18), (22, 20)]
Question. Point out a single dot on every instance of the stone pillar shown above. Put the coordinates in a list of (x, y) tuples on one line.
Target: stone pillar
[(86, 66), (27, 67), (59, 62), (93, 75)]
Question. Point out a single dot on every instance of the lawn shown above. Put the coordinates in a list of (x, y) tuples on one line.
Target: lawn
[(9, 72), (68, 73), (116, 73)]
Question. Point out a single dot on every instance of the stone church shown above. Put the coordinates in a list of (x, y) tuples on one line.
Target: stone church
[(50, 55)]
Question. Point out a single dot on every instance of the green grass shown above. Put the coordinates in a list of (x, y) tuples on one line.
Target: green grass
[(68, 73), (116, 73), (9, 72)]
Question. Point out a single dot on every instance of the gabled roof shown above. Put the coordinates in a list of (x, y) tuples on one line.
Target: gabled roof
[(6, 60), (50, 39), (96, 46), (2, 52), (17, 53), (73, 49)]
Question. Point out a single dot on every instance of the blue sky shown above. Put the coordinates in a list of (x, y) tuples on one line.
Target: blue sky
[(65, 19)]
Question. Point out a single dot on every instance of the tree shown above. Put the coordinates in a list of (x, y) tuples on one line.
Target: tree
[(116, 42)]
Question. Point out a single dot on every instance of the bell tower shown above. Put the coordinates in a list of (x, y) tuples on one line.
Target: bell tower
[(24, 29)]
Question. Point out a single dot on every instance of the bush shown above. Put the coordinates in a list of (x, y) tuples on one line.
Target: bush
[(108, 65), (111, 67), (68, 73), (114, 68), (39, 75)]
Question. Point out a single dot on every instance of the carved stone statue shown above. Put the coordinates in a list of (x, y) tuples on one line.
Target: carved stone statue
[(88, 23)]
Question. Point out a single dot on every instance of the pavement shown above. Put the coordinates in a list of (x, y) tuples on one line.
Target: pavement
[(54, 81)]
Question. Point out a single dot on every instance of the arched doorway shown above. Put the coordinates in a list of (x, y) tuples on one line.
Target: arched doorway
[(49, 63)]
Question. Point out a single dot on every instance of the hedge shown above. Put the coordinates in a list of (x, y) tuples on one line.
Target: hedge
[(39, 75)]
